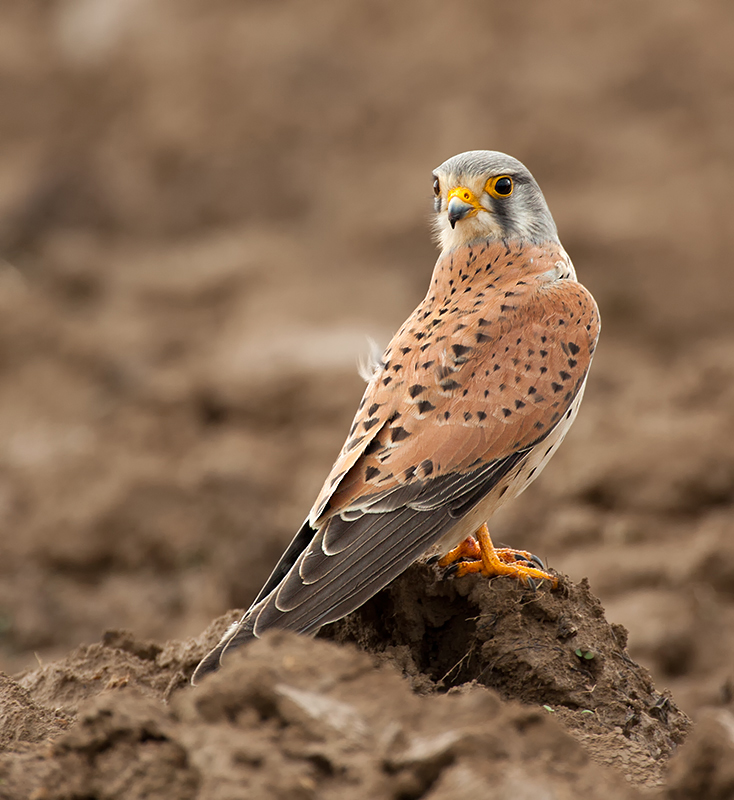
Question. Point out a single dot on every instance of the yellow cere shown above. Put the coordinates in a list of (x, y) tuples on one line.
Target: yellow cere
[(465, 195)]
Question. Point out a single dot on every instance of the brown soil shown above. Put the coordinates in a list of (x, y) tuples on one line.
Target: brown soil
[(205, 207)]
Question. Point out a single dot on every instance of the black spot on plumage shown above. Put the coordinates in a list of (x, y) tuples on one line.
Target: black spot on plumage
[(396, 367), (496, 368), (446, 414), (481, 415), (398, 434), (574, 348), (572, 362), (405, 350), (482, 337), (506, 412), (373, 447), (420, 335), (539, 426), (426, 346), (416, 389), (425, 406), (427, 364), (543, 370), (482, 322), (387, 380), (450, 385), (543, 353), (486, 393), (532, 390), (352, 443), (556, 387), (460, 350), (427, 467), (409, 473), (395, 415), (564, 375), (372, 410), (519, 404), (370, 423), (467, 415)]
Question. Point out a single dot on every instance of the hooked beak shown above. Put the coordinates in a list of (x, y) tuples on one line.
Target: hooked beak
[(462, 203)]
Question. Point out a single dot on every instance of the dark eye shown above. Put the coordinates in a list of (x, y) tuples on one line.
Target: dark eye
[(503, 186), (436, 187)]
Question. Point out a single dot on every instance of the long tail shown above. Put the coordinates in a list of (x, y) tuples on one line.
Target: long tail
[(213, 659), (241, 632)]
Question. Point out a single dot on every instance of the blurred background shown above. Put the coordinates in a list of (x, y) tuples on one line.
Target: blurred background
[(206, 206)]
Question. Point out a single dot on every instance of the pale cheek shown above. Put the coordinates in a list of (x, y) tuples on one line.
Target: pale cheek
[(466, 231)]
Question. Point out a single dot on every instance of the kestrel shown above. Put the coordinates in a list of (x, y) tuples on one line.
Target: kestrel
[(469, 401)]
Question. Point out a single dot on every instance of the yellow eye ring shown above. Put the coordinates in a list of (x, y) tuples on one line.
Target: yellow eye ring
[(500, 186)]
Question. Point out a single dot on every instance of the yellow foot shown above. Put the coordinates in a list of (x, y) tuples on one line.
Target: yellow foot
[(489, 562), (469, 548)]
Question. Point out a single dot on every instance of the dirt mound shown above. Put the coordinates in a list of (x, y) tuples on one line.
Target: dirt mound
[(291, 716), (554, 649)]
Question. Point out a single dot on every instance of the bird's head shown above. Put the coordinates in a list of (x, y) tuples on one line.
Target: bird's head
[(483, 194)]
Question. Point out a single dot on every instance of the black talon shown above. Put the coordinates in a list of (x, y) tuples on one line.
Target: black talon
[(532, 561), (451, 570), (538, 561)]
